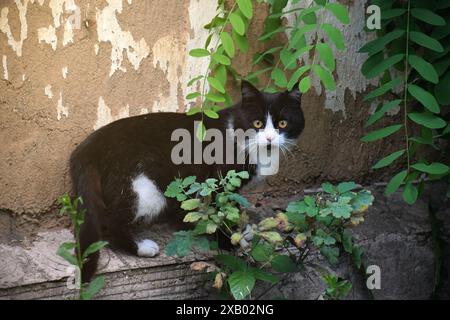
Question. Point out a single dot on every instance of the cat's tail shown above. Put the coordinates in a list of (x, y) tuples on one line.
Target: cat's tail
[(88, 187)]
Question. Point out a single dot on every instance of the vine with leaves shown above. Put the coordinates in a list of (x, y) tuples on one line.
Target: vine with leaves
[(308, 36), (410, 55)]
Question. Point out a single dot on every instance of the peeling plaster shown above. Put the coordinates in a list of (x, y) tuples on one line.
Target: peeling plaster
[(68, 33), (200, 13), (170, 55), (166, 55), (48, 91), (16, 45), (5, 67), (61, 109), (48, 35), (109, 30), (64, 72), (104, 114), (58, 10)]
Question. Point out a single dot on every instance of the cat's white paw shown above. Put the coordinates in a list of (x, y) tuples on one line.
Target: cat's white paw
[(147, 248)]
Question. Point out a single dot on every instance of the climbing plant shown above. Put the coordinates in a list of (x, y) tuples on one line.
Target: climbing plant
[(307, 53), (410, 56)]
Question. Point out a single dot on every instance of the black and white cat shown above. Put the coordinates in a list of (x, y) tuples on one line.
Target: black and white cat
[(122, 169)]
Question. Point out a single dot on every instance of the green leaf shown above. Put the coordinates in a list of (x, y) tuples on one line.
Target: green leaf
[(215, 83), (347, 241), (180, 244), (94, 247), (298, 37), (243, 174), (191, 82), (325, 76), (193, 111), (66, 255), (262, 252), (264, 275), (231, 262), (246, 7), (395, 182), (292, 62), (201, 243), (339, 11), (241, 284), (260, 55), (282, 263), (192, 217), (220, 58), (424, 97), (344, 187), (331, 253), (279, 77), (237, 23), (392, 13), (428, 16), (384, 65), (428, 120), (426, 41), (68, 245), (227, 43), (305, 84), (389, 159), (424, 68), (296, 75), (383, 89), (326, 55), (379, 113), (410, 193), (188, 181), (328, 188), (214, 98), (199, 52), (434, 168), (335, 35), (382, 133), (380, 43), (193, 95), (211, 227), (94, 287), (357, 253), (190, 204), (241, 42), (441, 89)]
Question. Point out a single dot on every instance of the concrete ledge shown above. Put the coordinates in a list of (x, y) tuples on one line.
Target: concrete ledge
[(34, 271)]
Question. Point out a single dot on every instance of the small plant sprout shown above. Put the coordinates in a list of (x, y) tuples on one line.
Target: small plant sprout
[(276, 245), (71, 251)]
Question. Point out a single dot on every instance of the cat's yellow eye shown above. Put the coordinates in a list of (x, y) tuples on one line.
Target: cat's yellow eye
[(257, 124), (282, 124)]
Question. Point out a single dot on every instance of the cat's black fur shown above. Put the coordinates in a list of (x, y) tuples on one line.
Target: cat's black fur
[(103, 165)]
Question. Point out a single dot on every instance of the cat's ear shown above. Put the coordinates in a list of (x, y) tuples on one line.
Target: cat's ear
[(248, 91), (295, 93)]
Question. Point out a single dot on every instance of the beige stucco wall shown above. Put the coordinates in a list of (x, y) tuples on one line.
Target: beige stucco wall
[(70, 66)]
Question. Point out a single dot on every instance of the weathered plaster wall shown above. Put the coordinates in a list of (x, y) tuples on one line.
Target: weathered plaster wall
[(71, 66)]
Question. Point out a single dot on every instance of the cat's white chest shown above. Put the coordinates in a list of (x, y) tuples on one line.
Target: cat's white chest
[(150, 201)]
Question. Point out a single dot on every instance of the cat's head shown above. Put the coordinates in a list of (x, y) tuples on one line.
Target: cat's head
[(276, 117)]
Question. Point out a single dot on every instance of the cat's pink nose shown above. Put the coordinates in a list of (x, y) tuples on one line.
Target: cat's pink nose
[(270, 138)]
